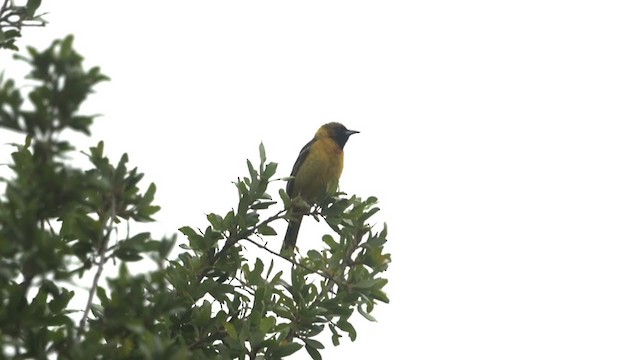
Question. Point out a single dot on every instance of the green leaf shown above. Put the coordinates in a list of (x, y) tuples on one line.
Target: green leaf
[(57, 320), (10, 34), (231, 330), (149, 194), (202, 314), (165, 246), (61, 301), (365, 314), (137, 239), (285, 198), (335, 336), (127, 254), (314, 331), (286, 350), (313, 352), (197, 243), (348, 328), (263, 154), (266, 230), (370, 283), (376, 241), (81, 123), (32, 6), (252, 171), (270, 170), (254, 277), (314, 255), (267, 324), (262, 205), (328, 239), (215, 220), (314, 343), (102, 295), (188, 231), (369, 214), (380, 295), (211, 236), (228, 220)]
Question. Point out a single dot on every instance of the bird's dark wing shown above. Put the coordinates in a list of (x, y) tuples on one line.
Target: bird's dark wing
[(301, 157)]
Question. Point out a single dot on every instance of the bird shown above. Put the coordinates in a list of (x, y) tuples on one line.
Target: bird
[(315, 174)]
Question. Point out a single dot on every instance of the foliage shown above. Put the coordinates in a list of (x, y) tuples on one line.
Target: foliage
[(14, 17), (59, 223)]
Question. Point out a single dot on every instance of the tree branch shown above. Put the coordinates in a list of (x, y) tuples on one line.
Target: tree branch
[(101, 262), (232, 241), (5, 6)]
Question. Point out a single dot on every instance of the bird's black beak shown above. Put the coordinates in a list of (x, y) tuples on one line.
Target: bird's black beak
[(351, 132)]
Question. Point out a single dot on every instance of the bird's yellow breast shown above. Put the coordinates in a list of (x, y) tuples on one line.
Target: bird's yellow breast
[(320, 171)]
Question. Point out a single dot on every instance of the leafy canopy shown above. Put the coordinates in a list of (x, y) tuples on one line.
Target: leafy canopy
[(60, 225)]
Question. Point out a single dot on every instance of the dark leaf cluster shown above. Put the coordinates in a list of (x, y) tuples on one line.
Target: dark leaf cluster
[(59, 222), (265, 309), (13, 18)]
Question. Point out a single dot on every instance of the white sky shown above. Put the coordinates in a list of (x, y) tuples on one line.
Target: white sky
[(501, 138)]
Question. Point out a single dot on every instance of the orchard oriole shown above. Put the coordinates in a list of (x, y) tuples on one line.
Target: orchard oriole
[(315, 172)]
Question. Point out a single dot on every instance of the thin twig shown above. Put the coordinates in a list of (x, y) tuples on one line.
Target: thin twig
[(243, 285), (4, 7), (317, 272), (101, 262)]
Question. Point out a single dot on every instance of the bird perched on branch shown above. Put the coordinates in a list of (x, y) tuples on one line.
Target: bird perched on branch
[(315, 173)]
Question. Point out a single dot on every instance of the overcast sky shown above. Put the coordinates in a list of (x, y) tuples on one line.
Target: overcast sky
[(501, 137)]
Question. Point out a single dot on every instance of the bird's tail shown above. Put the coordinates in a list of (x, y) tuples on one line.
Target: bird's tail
[(291, 236)]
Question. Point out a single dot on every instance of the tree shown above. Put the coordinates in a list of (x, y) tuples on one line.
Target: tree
[(59, 222)]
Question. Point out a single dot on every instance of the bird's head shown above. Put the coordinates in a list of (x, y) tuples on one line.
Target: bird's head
[(338, 132)]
